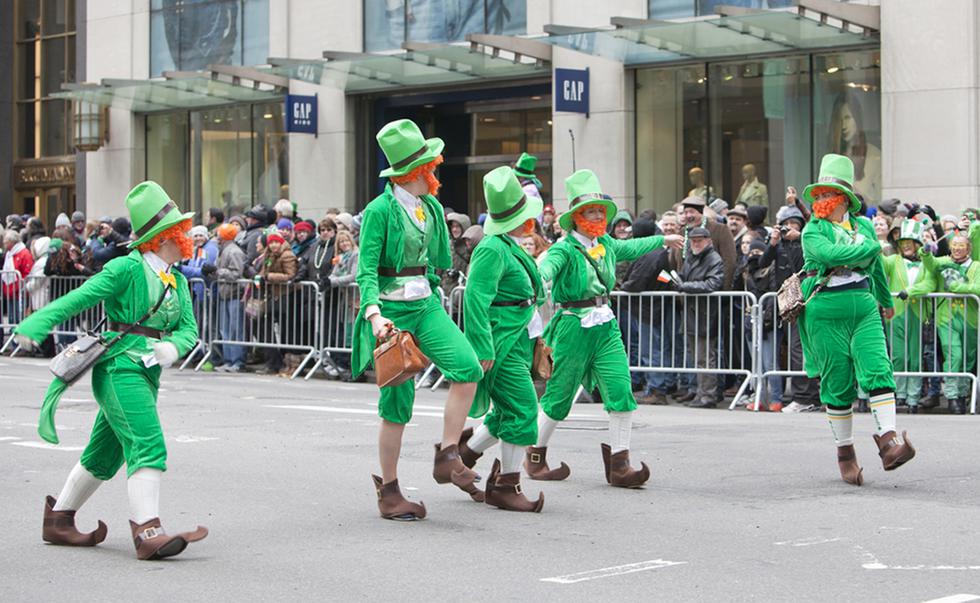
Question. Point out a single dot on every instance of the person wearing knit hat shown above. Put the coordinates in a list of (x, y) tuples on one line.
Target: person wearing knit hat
[(200, 266), (62, 220), (303, 240), (344, 221), (404, 240), (231, 324), (143, 288), (843, 340), (584, 334)]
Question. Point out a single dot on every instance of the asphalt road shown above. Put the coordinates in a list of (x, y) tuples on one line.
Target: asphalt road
[(741, 506)]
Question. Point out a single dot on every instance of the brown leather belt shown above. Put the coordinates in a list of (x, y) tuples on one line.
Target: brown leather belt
[(811, 273), (592, 302), (410, 271), (521, 303), (119, 327)]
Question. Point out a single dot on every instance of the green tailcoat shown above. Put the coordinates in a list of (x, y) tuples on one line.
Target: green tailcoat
[(961, 280), (898, 280)]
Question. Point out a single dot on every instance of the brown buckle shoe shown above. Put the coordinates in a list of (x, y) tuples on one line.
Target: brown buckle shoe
[(619, 473), (467, 454), (894, 451), (59, 528), (153, 543), (504, 492), (536, 466), (449, 468), (850, 471), (393, 505)]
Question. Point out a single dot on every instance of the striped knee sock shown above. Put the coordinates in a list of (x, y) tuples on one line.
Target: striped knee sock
[(841, 424), (883, 411)]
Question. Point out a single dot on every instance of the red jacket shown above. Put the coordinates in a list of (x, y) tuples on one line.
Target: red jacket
[(22, 263)]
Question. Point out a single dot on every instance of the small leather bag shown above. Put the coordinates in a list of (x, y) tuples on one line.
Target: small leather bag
[(397, 359), (789, 298), (76, 359), (542, 363)]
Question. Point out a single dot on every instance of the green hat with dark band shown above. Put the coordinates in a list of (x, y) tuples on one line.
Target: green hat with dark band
[(507, 205), (525, 166), (582, 188), (836, 171), (151, 211), (406, 148)]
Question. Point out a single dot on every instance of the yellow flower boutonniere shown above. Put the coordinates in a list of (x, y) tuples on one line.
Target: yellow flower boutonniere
[(597, 252), (167, 279), (420, 213)]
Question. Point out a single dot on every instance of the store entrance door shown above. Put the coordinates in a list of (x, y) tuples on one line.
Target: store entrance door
[(46, 203)]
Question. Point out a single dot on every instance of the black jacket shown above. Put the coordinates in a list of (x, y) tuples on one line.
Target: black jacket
[(788, 259), (319, 263), (702, 273)]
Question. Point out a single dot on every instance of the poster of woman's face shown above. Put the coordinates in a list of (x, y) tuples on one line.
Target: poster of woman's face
[(850, 135)]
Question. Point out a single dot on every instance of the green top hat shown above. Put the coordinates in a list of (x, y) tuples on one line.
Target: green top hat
[(912, 230), (507, 205), (582, 188), (525, 166), (406, 148), (152, 211), (836, 171)]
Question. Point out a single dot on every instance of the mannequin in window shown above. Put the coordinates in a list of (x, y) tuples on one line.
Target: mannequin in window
[(847, 137), (752, 192), (696, 178)]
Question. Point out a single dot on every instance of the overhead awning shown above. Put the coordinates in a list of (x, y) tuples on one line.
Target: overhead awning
[(637, 42), (487, 58), (219, 85)]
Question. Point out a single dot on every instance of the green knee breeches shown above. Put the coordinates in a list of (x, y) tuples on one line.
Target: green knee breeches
[(959, 342), (439, 339), (905, 337), (585, 357), (514, 410), (127, 428)]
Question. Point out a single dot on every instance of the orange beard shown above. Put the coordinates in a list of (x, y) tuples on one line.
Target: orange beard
[(427, 170), (177, 233), (822, 209), (529, 227), (593, 230)]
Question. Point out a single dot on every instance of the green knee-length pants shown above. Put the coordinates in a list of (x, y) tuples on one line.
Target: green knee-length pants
[(905, 333), (593, 356), (127, 427), (514, 409), (959, 341), (439, 339)]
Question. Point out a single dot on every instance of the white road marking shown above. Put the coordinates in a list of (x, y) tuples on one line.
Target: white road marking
[(808, 541), (46, 446), (870, 562), (353, 411), (616, 570), (955, 599), (6, 438), (187, 439)]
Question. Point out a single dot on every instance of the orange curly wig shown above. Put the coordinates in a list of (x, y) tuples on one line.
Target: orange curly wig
[(177, 233), (426, 169), (591, 229)]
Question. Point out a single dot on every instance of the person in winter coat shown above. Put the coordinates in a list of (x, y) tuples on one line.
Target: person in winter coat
[(34, 231), (722, 241), (703, 272), (256, 219), (303, 242), (17, 264), (114, 237), (278, 270), (202, 262), (231, 326), (452, 278), (344, 300), (319, 263)]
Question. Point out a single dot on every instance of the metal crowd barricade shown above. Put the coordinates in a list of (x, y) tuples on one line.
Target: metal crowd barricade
[(923, 340), (11, 308), (279, 316), (205, 314), (683, 334), (58, 286), (337, 309)]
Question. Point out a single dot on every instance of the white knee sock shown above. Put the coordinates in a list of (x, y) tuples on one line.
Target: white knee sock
[(842, 424), (546, 428), (511, 457), (620, 426), (79, 486), (882, 408), (144, 494), (481, 439)]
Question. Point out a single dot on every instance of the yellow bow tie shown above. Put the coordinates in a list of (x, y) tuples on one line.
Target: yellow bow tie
[(167, 279), (420, 213), (597, 252)]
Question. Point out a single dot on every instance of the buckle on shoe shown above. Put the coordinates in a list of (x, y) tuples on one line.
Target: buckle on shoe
[(151, 532), (518, 489), (535, 457)]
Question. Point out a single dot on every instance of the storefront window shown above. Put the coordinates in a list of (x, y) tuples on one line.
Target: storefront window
[(270, 153), (188, 35), (677, 9), (166, 157), (389, 23), (847, 115)]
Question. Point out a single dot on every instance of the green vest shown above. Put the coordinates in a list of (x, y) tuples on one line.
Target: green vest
[(416, 246)]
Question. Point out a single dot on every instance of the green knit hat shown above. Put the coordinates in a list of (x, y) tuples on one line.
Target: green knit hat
[(507, 205), (151, 211), (525, 166), (912, 230), (582, 188), (836, 171), (406, 148)]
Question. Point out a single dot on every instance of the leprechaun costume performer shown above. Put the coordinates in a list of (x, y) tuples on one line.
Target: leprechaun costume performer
[(404, 239), (588, 348), (126, 379), (907, 278), (500, 307), (524, 170), (956, 319), (841, 330)]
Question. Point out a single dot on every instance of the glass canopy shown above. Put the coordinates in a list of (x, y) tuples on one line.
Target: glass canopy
[(194, 91)]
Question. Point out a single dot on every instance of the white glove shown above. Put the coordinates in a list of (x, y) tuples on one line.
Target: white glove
[(26, 343), (166, 353)]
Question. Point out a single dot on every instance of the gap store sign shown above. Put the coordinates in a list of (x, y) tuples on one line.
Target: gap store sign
[(572, 90)]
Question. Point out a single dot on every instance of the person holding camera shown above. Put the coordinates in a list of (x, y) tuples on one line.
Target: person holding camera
[(113, 239)]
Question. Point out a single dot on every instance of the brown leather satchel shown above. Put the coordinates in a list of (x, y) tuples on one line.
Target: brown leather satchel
[(397, 359), (542, 363)]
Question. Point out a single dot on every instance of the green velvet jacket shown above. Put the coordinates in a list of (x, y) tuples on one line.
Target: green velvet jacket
[(821, 252), (898, 281), (946, 309)]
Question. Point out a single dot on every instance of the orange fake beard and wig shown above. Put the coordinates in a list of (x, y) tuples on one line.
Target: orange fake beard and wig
[(176, 233), (593, 230), (427, 170), (823, 209)]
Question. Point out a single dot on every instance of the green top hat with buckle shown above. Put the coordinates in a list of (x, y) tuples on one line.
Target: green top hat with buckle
[(406, 148), (151, 211), (911, 230), (582, 188), (507, 205), (836, 171), (525, 166)]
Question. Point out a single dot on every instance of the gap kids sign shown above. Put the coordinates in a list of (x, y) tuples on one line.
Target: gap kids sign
[(572, 90), (301, 113)]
